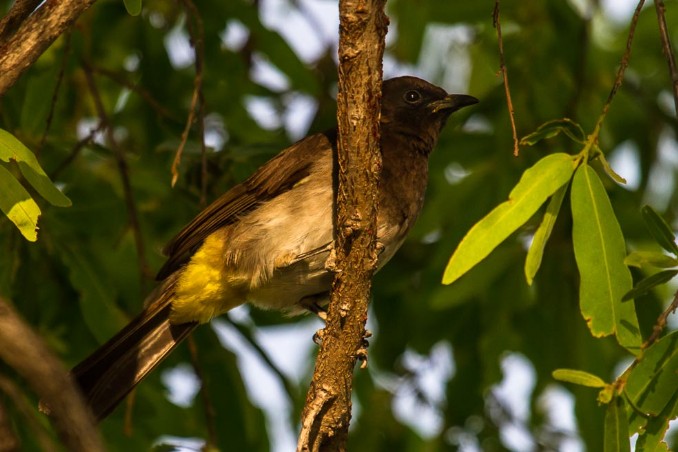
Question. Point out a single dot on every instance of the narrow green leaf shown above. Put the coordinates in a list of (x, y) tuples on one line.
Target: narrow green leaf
[(133, 7), (660, 230), (555, 127), (579, 377), (536, 251), (13, 149), (608, 169), (653, 381), (535, 186), (17, 204), (616, 427), (652, 258), (599, 250), (648, 283)]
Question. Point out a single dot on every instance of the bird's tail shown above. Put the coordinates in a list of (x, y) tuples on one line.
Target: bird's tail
[(112, 371)]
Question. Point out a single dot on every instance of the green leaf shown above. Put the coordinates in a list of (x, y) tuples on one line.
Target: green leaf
[(133, 7), (579, 377), (608, 169), (616, 427), (536, 251), (653, 383), (535, 186), (17, 204), (553, 128), (599, 251), (652, 435), (659, 229), (648, 283), (13, 149), (652, 258)]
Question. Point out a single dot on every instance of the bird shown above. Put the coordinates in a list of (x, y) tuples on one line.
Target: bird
[(266, 240)]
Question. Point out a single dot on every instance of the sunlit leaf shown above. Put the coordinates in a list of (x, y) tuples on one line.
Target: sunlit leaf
[(652, 258), (13, 149), (579, 377), (536, 251), (653, 383), (648, 283), (535, 186), (553, 128), (660, 230), (616, 427), (599, 251), (17, 204)]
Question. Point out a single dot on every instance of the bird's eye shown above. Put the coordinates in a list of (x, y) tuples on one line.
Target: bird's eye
[(412, 97)]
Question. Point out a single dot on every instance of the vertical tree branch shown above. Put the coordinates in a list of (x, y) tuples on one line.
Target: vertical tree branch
[(666, 47), (25, 352), (504, 75), (35, 35), (327, 413)]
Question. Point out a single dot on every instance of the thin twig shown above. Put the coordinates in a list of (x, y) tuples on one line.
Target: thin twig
[(666, 47), (660, 324), (620, 72), (144, 269), (135, 88), (76, 150), (210, 413), (55, 93), (504, 73), (197, 99)]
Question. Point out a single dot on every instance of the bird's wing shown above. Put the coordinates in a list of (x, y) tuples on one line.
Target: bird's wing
[(275, 177)]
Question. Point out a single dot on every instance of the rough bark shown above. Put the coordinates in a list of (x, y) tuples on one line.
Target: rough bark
[(327, 413), (31, 359), (34, 35)]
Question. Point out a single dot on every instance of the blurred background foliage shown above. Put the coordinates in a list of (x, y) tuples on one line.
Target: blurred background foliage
[(465, 367)]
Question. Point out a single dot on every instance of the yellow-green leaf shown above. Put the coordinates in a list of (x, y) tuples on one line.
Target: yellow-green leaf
[(536, 251), (18, 205), (535, 186), (579, 377), (13, 149), (616, 427), (599, 250), (651, 258)]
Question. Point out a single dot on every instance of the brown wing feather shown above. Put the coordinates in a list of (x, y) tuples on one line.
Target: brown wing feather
[(276, 176)]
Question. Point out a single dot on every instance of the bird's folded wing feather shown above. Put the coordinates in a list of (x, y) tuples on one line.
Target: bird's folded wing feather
[(275, 177)]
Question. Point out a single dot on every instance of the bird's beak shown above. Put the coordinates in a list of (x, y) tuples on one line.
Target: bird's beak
[(453, 102)]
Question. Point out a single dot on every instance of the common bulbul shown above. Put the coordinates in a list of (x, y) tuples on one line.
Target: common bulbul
[(266, 240)]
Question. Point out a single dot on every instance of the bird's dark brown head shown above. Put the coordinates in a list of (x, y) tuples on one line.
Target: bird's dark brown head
[(417, 109)]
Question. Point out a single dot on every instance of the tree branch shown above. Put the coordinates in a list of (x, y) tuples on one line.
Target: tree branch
[(24, 351), (666, 47), (35, 35), (20, 10), (327, 413)]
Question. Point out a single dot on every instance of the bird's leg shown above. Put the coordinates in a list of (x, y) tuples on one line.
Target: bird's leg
[(312, 304)]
